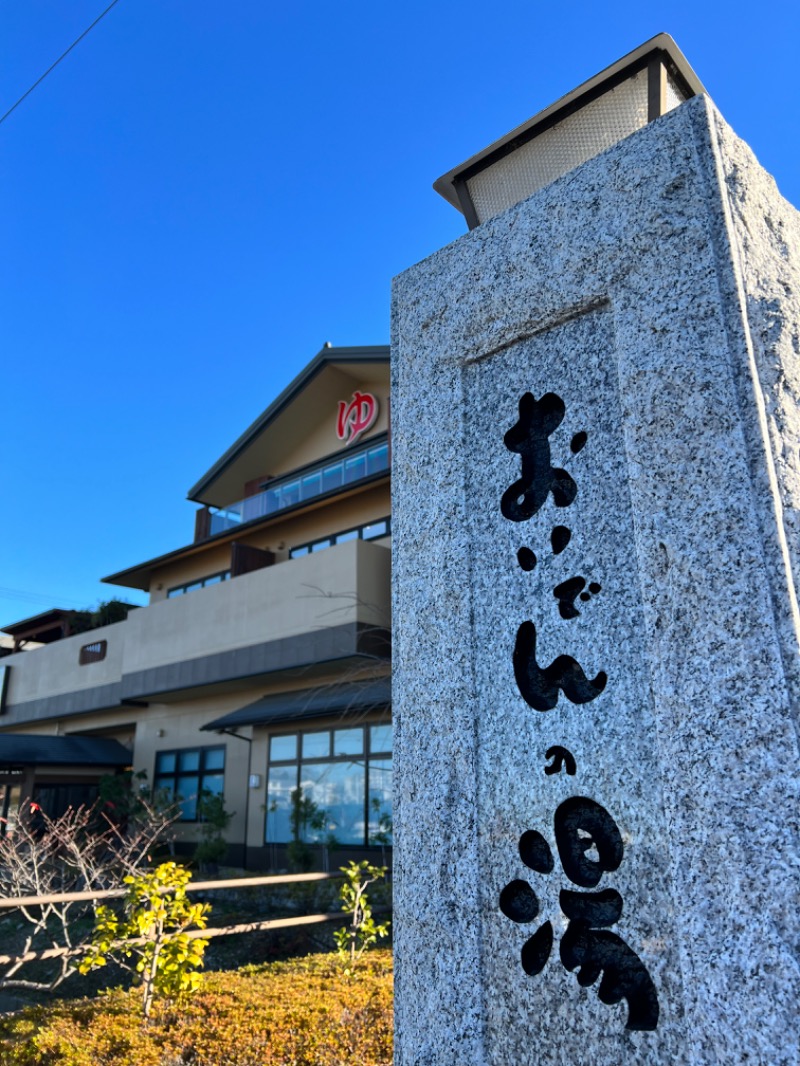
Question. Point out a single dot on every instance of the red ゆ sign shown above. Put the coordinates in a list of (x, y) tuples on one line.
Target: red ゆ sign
[(356, 417)]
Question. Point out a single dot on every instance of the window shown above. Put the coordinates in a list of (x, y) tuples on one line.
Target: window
[(10, 802), (337, 782), (55, 799), (92, 653), (370, 531), (184, 774), (201, 583)]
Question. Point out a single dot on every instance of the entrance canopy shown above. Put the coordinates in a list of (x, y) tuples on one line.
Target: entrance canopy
[(347, 698), (26, 750)]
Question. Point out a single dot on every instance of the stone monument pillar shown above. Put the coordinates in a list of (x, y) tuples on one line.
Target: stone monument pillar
[(596, 474)]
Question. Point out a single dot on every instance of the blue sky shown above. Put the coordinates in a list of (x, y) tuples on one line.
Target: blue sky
[(201, 195)]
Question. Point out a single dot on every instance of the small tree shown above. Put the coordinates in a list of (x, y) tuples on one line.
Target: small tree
[(153, 930), (304, 815), (353, 940), (383, 834), (214, 820)]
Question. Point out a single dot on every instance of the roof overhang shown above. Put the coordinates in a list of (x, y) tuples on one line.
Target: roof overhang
[(19, 749), (46, 627), (660, 52), (347, 698)]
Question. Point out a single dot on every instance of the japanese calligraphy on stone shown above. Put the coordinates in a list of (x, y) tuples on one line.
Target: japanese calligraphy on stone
[(588, 840), (538, 684), (587, 947)]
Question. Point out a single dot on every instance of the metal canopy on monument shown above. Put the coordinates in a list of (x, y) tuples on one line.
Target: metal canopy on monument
[(643, 85)]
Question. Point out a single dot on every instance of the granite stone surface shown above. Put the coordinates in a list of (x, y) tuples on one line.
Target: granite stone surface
[(596, 478)]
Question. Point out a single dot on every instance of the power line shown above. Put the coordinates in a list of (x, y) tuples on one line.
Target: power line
[(54, 65), (32, 597)]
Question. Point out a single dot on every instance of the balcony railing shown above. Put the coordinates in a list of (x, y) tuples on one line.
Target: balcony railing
[(313, 482)]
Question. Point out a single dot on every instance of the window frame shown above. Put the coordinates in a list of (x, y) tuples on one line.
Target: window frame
[(365, 758), (343, 536), (198, 583), (202, 771)]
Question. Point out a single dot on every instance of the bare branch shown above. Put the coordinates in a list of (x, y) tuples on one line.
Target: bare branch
[(82, 851)]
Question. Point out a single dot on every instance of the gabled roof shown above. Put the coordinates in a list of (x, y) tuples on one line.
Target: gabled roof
[(328, 356)]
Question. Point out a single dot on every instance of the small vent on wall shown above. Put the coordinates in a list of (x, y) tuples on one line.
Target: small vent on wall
[(93, 653)]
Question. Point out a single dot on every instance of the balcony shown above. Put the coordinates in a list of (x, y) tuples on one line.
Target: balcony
[(324, 607), (303, 486)]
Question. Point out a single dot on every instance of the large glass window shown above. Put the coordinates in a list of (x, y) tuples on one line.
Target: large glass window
[(325, 784), (184, 774)]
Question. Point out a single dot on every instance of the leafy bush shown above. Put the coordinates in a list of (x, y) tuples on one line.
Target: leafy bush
[(154, 928), (303, 1013)]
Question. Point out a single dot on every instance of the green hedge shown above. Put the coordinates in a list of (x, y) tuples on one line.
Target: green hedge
[(299, 1013)]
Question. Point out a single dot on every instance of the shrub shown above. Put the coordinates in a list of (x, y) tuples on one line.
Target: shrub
[(155, 930), (353, 940), (303, 1013)]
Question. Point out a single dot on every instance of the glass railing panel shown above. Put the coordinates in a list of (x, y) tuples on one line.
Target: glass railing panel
[(289, 494), (332, 477), (227, 519), (327, 478), (312, 485), (378, 459), (355, 468), (254, 507)]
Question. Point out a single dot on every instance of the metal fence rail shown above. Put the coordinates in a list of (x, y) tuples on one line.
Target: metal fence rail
[(193, 886), (197, 886)]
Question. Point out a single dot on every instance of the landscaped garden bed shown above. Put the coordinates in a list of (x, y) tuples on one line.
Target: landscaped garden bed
[(304, 1012)]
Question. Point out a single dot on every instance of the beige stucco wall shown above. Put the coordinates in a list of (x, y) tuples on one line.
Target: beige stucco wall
[(304, 431), (344, 584), (322, 440), (172, 726), (161, 727), (53, 668), (279, 536), (212, 560), (296, 596)]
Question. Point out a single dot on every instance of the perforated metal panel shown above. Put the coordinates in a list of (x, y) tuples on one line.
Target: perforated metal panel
[(582, 135), (675, 95)]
